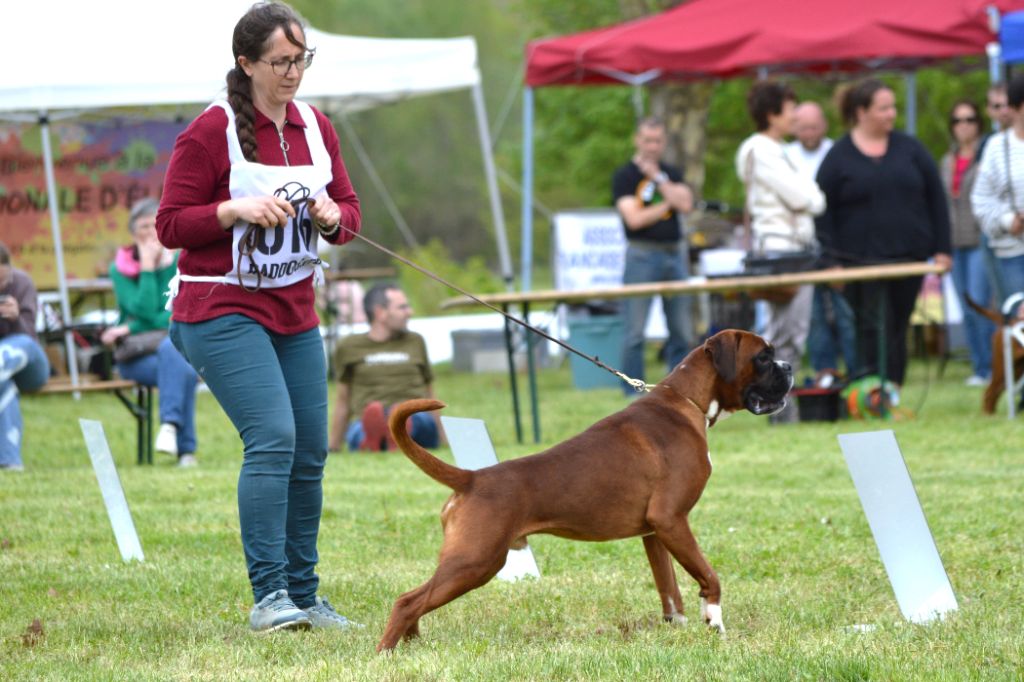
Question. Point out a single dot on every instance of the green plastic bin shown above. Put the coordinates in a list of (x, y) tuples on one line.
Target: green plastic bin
[(599, 335)]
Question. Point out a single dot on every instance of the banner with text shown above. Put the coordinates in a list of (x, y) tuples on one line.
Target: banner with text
[(102, 167), (590, 249)]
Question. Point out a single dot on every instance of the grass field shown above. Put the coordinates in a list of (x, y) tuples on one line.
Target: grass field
[(780, 521)]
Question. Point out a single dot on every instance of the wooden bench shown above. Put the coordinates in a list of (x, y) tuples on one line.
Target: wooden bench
[(141, 408)]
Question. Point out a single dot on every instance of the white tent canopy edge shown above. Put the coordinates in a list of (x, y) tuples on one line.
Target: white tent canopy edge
[(171, 56)]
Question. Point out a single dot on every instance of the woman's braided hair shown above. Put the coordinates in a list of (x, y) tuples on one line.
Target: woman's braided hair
[(249, 40)]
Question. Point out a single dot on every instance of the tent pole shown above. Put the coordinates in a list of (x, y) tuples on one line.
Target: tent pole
[(910, 83), (58, 247), (638, 101), (994, 51), (382, 190), (526, 245), (492, 187)]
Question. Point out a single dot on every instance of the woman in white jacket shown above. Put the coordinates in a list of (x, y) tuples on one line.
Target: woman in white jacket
[(782, 203)]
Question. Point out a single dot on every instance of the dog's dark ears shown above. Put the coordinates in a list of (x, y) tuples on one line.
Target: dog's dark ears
[(722, 348)]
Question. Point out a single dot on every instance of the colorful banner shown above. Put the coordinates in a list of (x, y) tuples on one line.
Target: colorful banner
[(102, 167)]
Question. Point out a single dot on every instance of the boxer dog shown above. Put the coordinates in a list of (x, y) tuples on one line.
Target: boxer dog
[(636, 472), (997, 382)]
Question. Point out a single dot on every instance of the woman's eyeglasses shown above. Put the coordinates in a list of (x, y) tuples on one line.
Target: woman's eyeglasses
[(965, 119), (282, 67)]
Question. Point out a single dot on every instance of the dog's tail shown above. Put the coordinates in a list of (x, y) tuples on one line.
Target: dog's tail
[(455, 478), (985, 312)]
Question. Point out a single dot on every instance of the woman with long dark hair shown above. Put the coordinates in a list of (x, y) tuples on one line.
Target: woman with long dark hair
[(253, 183)]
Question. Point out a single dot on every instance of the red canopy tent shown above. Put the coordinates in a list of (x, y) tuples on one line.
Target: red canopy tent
[(728, 38), (725, 38)]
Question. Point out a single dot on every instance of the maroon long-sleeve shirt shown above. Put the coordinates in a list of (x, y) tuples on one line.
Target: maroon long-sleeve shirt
[(197, 181)]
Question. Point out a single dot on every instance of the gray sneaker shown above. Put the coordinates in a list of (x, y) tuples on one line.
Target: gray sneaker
[(323, 615), (277, 611)]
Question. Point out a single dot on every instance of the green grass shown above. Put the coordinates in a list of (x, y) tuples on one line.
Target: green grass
[(780, 521)]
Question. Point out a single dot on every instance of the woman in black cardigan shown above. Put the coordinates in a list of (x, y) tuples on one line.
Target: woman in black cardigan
[(885, 204)]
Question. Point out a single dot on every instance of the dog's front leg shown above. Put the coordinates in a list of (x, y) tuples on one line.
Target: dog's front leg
[(665, 579), (677, 537)]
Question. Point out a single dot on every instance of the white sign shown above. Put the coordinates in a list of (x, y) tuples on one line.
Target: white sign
[(590, 249), (472, 447), (897, 522), (110, 486)]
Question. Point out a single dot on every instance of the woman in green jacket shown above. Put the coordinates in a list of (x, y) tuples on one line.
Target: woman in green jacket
[(140, 274)]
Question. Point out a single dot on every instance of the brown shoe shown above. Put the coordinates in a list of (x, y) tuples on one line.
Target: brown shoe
[(375, 428)]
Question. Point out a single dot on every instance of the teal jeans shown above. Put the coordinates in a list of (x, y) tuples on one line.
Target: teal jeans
[(273, 387)]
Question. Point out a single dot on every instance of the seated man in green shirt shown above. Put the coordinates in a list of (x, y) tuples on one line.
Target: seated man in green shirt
[(378, 369)]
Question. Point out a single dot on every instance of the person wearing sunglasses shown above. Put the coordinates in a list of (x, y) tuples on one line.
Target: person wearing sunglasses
[(958, 168), (252, 185), (998, 195)]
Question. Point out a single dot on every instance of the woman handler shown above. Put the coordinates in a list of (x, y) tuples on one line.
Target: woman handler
[(252, 184)]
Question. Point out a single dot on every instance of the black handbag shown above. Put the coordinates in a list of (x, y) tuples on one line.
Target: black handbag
[(134, 346)]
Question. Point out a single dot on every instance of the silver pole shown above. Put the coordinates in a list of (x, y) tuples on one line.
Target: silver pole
[(910, 81), (526, 245), (492, 188), (58, 247)]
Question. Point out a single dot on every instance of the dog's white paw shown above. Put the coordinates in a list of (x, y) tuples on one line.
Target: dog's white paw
[(675, 619), (712, 614)]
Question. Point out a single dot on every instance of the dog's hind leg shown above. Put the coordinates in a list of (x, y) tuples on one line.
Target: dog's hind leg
[(665, 579), (678, 539), (461, 568)]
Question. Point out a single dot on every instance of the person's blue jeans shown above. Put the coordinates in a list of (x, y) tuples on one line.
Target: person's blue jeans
[(176, 381), (23, 369), (653, 263), (970, 278), (832, 331), (273, 387), (424, 432), (1012, 271)]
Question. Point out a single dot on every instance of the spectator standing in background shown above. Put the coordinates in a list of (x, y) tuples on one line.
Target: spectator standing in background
[(885, 204), (998, 195), (959, 167), (832, 330), (782, 202), (651, 198), (997, 107)]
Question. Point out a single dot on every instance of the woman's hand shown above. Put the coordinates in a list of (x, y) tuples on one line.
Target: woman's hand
[(110, 335), (150, 251), (9, 308), (325, 213), (266, 211), (1017, 227)]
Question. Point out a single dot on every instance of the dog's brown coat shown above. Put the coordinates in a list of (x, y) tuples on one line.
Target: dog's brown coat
[(636, 472)]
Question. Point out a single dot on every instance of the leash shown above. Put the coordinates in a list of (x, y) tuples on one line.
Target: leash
[(638, 385)]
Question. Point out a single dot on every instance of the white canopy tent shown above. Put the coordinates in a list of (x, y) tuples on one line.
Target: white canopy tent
[(124, 53)]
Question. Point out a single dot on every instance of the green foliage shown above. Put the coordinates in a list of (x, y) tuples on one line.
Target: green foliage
[(425, 294)]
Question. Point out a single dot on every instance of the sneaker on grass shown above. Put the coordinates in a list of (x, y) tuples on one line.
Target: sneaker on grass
[(277, 611), (167, 439), (323, 615)]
